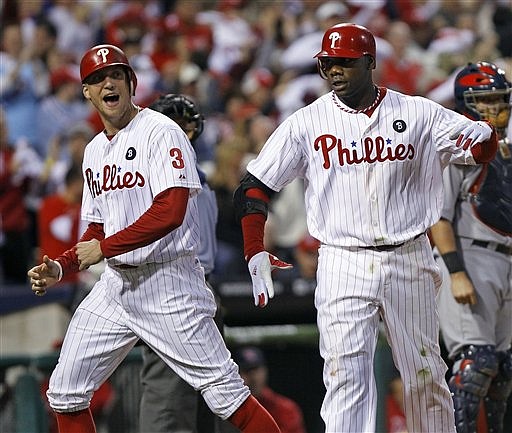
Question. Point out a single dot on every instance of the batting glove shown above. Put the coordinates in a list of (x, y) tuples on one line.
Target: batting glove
[(468, 134), (261, 266)]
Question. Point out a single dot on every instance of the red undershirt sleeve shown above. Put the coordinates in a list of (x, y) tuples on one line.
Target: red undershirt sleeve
[(163, 216), (253, 226), (69, 260)]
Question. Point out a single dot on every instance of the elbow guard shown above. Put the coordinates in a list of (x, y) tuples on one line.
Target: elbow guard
[(249, 205)]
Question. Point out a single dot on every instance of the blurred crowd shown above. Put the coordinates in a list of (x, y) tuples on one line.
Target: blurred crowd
[(247, 64)]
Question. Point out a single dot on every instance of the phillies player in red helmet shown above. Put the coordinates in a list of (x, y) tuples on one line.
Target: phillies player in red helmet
[(474, 238), (371, 159), (140, 198)]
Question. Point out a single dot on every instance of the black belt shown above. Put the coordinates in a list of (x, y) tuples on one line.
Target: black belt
[(500, 248), (390, 247), (124, 267)]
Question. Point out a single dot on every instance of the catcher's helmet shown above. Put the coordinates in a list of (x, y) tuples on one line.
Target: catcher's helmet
[(482, 92), (183, 111), (102, 56)]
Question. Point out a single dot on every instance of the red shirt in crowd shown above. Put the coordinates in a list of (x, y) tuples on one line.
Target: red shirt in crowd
[(285, 411)]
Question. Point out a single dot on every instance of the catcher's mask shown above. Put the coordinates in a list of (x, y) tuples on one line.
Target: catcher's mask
[(103, 56), (183, 111), (346, 40), (482, 92)]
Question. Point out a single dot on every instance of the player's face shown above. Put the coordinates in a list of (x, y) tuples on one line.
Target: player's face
[(109, 91), (494, 108), (350, 79)]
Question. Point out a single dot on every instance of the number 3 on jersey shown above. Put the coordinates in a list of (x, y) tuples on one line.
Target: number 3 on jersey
[(176, 158)]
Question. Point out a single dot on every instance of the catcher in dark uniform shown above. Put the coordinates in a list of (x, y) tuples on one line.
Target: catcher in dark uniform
[(474, 239)]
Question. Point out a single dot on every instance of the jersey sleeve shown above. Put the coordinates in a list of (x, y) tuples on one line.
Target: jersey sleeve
[(172, 162), (281, 158)]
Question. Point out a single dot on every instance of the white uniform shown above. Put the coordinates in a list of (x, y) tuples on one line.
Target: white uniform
[(372, 181), (156, 293)]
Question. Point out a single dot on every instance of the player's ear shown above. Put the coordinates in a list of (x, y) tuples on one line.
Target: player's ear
[(85, 91), (370, 62)]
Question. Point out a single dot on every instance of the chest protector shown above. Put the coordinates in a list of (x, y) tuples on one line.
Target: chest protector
[(491, 193)]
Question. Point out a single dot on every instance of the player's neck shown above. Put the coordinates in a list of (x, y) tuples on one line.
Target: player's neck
[(114, 125), (362, 100)]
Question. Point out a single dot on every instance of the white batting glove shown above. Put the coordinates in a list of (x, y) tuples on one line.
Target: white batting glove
[(468, 134), (261, 266)]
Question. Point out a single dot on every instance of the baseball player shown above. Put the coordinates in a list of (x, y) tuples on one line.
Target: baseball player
[(372, 159), (169, 403), (140, 197), (474, 238)]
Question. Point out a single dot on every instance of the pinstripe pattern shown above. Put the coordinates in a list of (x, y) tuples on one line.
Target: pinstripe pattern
[(366, 203), (163, 299), (370, 181), (152, 136), (171, 309), (368, 287)]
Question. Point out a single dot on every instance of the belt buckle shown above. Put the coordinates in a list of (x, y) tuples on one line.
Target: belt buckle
[(493, 245)]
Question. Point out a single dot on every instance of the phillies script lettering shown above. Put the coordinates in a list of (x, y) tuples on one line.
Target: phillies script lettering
[(112, 180), (374, 150)]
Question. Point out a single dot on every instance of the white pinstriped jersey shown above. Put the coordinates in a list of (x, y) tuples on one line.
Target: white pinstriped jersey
[(123, 176), (369, 180)]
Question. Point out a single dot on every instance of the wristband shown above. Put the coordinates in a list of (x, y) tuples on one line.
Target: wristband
[(453, 262)]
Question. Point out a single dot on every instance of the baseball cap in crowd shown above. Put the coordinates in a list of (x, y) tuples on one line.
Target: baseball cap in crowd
[(64, 75), (249, 358), (331, 9)]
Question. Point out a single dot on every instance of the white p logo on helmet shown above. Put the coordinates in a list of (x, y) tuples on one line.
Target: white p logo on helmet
[(334, 37), (103, 52)]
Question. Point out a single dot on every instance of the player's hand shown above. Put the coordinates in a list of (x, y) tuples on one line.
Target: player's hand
[(462, 288), (89, 253), (44, 275), (261, 266), (470, 133)]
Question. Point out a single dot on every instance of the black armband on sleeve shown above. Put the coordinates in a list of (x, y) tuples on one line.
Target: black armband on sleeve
[(453, 262), (248, 205)]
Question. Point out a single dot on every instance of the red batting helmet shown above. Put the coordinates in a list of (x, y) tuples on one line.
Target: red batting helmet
[(102, 56), (347, 40)]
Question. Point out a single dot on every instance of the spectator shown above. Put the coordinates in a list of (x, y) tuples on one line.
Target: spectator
[(225, 179), (59, 219), (15, 221), (400, 70), (76, 28), (63, 108), (254, 371), (23, 81), (65, 151)]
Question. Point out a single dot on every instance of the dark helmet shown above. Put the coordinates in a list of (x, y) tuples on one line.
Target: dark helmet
[(346, 40), (482, 92), (102, 56), (183, 111)]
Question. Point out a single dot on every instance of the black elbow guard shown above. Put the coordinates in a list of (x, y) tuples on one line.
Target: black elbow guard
[(247, 205)]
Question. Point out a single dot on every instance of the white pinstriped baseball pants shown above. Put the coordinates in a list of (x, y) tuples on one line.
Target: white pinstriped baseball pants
[(357, 287), (167, 305)]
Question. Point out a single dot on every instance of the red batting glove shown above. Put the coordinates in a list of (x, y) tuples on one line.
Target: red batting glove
[(261, 266)]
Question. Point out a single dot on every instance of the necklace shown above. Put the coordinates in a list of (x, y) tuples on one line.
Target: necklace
[(352, 111)]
